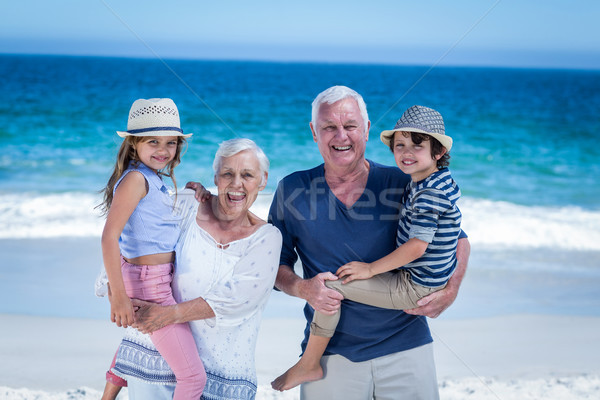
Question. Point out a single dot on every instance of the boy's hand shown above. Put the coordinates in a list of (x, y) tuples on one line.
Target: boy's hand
[(202, 194), (354, 270)]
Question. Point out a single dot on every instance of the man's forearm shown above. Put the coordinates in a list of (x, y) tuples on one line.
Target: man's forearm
[(463, 250), (288, 281)]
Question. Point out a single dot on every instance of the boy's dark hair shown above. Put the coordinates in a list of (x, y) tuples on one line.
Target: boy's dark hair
[(436, 146)]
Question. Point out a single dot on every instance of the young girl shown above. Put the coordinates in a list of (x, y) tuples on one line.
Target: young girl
[(140, 234), (427, 236)]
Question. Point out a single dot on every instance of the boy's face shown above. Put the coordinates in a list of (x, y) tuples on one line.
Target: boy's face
[(414, 159)]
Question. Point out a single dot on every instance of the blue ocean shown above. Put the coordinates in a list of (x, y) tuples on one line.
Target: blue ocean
[(525, 149)]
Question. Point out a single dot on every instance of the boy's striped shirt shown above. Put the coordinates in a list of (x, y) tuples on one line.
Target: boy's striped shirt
[(430, 214)]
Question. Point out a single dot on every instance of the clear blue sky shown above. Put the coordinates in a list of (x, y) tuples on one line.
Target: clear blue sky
[(541, 33)]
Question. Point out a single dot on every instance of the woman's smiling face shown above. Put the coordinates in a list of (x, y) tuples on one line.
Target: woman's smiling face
[(239, 180)]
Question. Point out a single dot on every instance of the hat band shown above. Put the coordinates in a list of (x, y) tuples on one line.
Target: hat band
[(159, 128)]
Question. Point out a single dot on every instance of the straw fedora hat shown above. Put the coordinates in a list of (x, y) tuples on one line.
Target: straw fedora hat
[(422, 120), (153, 117)]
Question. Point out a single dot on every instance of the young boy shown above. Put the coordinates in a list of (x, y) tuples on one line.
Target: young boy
[(427, 237)]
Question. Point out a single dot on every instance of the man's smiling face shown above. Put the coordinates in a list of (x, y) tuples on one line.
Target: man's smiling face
[(340, 133)]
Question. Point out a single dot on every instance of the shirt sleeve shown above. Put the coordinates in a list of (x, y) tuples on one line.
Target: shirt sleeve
[(277, 217), (186, 207), (427, 206), (238, 297)]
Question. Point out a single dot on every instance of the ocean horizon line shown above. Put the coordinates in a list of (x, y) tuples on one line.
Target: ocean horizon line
[(300, 62)]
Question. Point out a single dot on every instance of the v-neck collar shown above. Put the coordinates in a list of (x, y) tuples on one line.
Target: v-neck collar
[(338, 201)]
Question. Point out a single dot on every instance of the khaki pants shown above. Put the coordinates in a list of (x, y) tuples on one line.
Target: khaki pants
[(406, 375), (393, 290)]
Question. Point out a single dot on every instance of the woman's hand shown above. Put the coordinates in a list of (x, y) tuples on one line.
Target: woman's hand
[(319, 296), (354, 270), (202, 194), (121, 310), (150, 317)]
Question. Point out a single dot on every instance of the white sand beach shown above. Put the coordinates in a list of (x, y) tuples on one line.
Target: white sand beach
[(510, 357), (521, 328)]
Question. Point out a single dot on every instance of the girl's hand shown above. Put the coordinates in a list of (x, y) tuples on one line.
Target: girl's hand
[(121, 310), (202, 194), (354, 270)]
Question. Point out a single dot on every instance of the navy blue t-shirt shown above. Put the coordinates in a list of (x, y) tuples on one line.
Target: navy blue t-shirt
[(326, 234)]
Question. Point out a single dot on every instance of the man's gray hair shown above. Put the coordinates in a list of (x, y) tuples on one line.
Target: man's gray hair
[(335, 94), (232, 147)]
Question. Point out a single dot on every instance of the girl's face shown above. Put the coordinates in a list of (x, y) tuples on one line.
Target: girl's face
[(238, 180), (414, 159), (156, 152)]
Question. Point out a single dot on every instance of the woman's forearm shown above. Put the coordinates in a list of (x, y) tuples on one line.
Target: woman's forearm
[(151, 316), (192, 310)]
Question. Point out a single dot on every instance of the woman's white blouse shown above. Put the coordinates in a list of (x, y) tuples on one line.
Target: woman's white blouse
[(235, 279)]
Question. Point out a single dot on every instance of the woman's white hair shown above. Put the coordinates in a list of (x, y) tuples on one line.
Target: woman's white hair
[(335, 94), (232, 147)]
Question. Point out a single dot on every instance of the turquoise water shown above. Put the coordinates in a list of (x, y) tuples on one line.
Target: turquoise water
[(525, 157), (523, 136), (525, 153)]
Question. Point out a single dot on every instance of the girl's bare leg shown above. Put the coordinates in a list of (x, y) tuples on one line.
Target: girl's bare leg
[(111, 391)]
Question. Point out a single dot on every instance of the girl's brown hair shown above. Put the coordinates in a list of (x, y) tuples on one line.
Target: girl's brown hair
[(125, 156)]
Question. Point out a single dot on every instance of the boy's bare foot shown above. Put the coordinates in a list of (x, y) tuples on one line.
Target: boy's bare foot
[(296, 375)]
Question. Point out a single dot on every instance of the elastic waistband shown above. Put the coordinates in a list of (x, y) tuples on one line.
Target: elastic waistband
[(157, 266)]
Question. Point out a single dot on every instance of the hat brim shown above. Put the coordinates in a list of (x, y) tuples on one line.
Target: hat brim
[(445, 140), (154, 133)]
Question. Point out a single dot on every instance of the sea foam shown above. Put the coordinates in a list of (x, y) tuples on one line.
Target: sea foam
[(498, 224), (489, 224), (71, 214)]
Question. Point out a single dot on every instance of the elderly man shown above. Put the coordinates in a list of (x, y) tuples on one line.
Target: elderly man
[(343, 210)]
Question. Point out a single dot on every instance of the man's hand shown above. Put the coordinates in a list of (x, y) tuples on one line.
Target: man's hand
[(434, 304), (354, 270), (150, 317), (319, 296)]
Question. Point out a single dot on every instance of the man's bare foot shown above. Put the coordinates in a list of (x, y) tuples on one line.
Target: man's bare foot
[(296, 375)]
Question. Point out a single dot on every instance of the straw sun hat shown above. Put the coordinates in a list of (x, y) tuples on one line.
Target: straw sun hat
[(153, 117), (422, 120)]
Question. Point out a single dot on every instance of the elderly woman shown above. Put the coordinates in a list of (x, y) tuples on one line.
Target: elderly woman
[(226, 262)]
